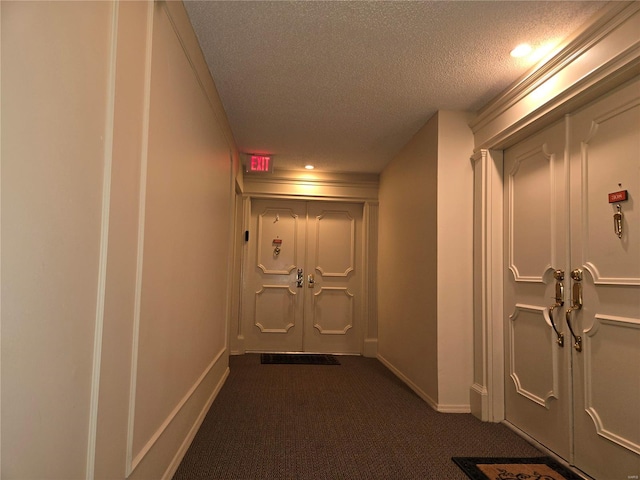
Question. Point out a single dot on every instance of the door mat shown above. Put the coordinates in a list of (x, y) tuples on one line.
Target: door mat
[(536, 468), (298, 359)]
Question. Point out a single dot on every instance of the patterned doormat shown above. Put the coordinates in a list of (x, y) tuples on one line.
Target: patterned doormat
[(298, 359), (537, 468)]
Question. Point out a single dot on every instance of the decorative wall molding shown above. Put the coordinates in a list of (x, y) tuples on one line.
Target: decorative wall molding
[(531, 155), (542, 397), (181, 24), (142, 207), (301, 185), (329, 291), (283, 289), (487, 301), (350, 266), (599, 420), (167, 431), (370, 278), (603, 55), (177, 458), (104, 246), (259, 256), (593, 252), (177, 409)]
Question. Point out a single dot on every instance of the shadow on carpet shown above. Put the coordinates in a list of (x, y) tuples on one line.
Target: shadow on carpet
[(536, 468)]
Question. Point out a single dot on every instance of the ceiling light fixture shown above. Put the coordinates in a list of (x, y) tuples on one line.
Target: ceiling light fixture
[(309, 167), (521, 50)]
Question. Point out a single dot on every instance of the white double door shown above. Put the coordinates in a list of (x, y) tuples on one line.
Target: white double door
[(580, 399), (302, 279)]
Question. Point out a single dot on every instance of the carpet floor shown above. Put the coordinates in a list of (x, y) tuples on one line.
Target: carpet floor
[(353, 421)]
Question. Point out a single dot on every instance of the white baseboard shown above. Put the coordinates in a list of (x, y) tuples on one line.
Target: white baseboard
[(177, 459), (443, 408), (479, 398), (370, 348), (421, 393)]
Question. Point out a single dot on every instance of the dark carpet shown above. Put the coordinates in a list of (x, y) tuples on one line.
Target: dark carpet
[(541, 468), (353, 421)]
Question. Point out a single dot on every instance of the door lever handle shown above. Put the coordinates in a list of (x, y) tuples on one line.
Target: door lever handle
[(576, 304), (299, 278), (559, 335), (559, 276)]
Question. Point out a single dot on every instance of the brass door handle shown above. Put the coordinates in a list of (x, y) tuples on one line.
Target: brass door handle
[(559, 276), (576, 304), (311, 280), (299, 278), (560, 335)]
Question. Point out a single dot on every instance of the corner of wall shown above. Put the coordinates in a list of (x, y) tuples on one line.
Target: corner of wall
[(455, 260)]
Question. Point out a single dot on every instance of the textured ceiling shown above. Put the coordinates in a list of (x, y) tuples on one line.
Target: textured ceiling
[(346, 84)]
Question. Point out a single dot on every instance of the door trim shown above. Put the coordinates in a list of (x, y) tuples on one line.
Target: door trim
[(368, 313), (596, 60)]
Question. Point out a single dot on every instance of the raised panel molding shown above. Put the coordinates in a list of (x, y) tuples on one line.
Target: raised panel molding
[(605, 422), (599, 279), (279, 290), (597, 248), (294, 234), (323, 295), (540, 394), (320, 253), (537, 153)]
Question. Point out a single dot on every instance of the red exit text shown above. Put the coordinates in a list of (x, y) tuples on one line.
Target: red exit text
[(260, 163)]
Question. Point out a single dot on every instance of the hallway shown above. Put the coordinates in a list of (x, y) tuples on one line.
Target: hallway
[(126, 231), (355, 420)]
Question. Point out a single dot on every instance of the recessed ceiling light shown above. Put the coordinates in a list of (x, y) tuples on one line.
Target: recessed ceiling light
[(309, 167), (521, 50)]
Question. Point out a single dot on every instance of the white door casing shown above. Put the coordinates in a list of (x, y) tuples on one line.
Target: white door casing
[(581, 400), (286, 310)]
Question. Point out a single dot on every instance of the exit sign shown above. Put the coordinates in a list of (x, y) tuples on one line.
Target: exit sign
[(260, 163)]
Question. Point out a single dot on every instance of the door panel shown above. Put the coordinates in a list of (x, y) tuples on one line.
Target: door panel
[(605, 159), (333, 250), (319, 313), (272, 312), (580, 400), (537, 387)]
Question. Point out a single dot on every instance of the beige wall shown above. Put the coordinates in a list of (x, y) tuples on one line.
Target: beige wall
[(425, 263), (55, 127), (455, 261), (407, 262), (116, 225)]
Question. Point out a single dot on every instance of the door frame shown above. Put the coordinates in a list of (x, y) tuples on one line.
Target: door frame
[(285, 185), (603, 56)]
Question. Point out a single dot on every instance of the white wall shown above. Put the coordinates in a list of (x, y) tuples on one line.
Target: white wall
[(116, 226), (425, 263)]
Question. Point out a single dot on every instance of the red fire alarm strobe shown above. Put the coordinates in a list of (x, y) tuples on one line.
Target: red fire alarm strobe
[(259, 163)]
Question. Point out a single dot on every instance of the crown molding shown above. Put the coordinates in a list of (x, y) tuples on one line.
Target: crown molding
[(606, 50)]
